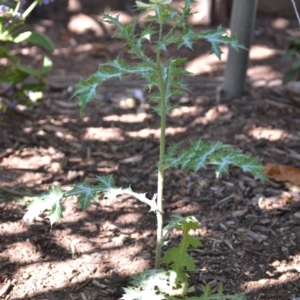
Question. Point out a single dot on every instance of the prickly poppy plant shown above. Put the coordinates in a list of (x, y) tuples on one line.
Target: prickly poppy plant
[(168, 279)]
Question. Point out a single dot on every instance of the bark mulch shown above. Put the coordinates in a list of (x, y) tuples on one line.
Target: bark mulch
[(249, 230)]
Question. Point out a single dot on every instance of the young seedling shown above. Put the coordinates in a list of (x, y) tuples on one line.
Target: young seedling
[(167, 79)]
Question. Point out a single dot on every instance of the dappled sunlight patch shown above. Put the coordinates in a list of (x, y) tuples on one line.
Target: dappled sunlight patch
[(283, 266), (25, 179), (103, 134), (280, 23), (27, 162), (22, 252), (145, 133), (259, 52), (133, 255), (57, 128), (39, 277), (67, 137), (184, 110), (206, 63), (127, 118), (31, 51), (266, 72), (218, 112), (42, 26), (275, 283), (82, 23), (3, 62), (123, 17), (32, 160), (269, 134), (83, 48), (9, 229)]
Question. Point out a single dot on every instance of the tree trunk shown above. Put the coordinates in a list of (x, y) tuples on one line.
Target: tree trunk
[(241, 25)]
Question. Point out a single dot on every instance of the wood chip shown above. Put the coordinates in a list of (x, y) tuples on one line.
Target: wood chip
[(254, 236), (5, 288)]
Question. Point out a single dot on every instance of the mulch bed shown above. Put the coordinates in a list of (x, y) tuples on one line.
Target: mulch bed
[(249, 230)]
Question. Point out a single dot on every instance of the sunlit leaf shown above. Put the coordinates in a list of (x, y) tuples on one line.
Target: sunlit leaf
[(49, 201), (35, 38), (148, 285)]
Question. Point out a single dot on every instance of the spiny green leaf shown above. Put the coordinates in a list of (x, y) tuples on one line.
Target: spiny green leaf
[(56, 212), (178, 258), (106, 17), (215, 153), (106, 182), (142, 197), (223, 160), (167, 40), (217, 37), (86, 90), (85, 192), (147, 33), (150, 279), (176, 220), (148, 285), (186, 10), (252, 165), (187, 37), (120, 67), (208, 295), (49, 201)]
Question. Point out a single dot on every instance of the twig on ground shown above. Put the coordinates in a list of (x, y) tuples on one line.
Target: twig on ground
[(5, 288)]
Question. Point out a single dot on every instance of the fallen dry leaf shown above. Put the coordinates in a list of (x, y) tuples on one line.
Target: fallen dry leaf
[(282, 173)]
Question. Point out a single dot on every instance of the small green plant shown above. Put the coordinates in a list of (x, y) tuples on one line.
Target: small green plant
[(14, 84), (292, 53), (171, 282)]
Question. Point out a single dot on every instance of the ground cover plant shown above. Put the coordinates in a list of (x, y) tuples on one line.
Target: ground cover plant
[(20, 83), (165, 80), (293, 53)]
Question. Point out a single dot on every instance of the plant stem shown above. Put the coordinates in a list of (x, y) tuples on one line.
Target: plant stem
[(161, 170), (29, 9)]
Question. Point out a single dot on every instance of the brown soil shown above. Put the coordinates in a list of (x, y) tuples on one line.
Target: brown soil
[(250, 230)]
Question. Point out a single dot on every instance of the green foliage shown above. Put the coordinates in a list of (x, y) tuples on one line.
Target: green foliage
[(171, 72), (292, 53), (13, 73), (166, 79), (34, 38), (85, 192), (215, 153), (178, 258), (207, 295), (49, 201), (160, 284), (171, 284), (144, 285)]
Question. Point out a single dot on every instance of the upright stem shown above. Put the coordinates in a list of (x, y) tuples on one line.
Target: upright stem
[(29, 9), (161, 170)]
